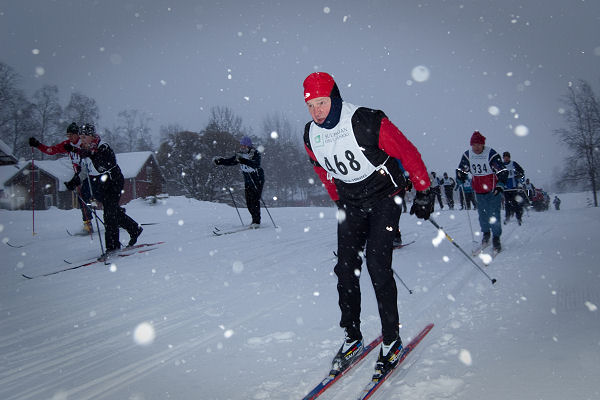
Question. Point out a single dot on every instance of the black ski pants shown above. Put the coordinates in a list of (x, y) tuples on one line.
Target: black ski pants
[(437, 193), (253, 190), (376, 227), (449, 195), (470, 199), (114, 214), (513, 204)]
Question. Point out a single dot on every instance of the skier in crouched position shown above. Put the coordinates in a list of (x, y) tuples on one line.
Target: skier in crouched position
[(354, 150), (83, 191), (105, 162), (254, 177)]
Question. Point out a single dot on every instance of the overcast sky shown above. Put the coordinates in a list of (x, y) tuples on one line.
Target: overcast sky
[(439, 69)]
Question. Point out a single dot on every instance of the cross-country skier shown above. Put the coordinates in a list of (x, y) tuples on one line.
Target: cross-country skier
[(489, 179), (104, 160), (436, 189), (254, 177), (79, 165), (513, 194), (556, 203), (354, 150), (448, 184)]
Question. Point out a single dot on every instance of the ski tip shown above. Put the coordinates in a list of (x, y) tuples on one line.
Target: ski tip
[(27, 277)]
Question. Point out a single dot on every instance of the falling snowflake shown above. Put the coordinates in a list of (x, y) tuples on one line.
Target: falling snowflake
[(420, 73), (465, 357), (144, 334)]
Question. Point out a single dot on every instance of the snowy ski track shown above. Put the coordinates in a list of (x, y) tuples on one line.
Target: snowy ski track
[(253, 315)]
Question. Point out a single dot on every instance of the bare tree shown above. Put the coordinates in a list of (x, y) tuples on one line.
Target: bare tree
[(285, 162), (582, 136), (223, 119), (112, 137), (134, 128), (20, 125), (46, 113), (9, 80), (166, 131), (81, 110)]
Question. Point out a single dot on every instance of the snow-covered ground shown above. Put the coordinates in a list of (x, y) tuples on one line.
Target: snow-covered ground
[(254, 315)]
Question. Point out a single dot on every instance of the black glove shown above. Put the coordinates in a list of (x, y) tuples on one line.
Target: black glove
[(461, 175), (69, 147), (73, 183), (498, 190), (422, 206), (33, 142), (217, 160)]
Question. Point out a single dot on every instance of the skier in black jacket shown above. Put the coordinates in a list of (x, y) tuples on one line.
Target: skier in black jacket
[(105, 162), (254, 177), (354, 151)]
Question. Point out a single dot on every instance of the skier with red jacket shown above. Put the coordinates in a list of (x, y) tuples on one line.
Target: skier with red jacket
[(489, 180), (84, 193), (354, 151)]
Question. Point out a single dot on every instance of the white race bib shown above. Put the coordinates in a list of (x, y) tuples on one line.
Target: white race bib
[(338, 151), (480, 164)]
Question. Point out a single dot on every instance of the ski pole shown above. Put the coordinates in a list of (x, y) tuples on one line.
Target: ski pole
[(32, 195), (235, 205), (86, 215), (493, 280), (402, 282), (265, 206), (87, 170), (468, 214), (261, 199), (90, 209)]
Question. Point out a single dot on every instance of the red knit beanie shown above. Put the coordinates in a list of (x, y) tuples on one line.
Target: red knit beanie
[(318, 84), (477, 138)]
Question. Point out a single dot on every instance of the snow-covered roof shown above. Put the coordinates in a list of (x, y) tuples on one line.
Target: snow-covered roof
[(131, 163), (61, 169), (6, 153)]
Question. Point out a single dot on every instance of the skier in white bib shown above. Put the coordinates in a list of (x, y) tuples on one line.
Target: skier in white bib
[(354, 150), (489, 180)]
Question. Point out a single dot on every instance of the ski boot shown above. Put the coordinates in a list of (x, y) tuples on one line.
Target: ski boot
[(497, 245), (87, 227), (134, 236), (351, 349), (389, 355)]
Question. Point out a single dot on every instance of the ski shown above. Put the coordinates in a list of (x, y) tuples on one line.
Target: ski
[(16, 246), (123, 249), (80, 233), (402, 245), (377, 381), (219, 232), (480, 249), (84, 233), (125, 252), (334, 376)]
